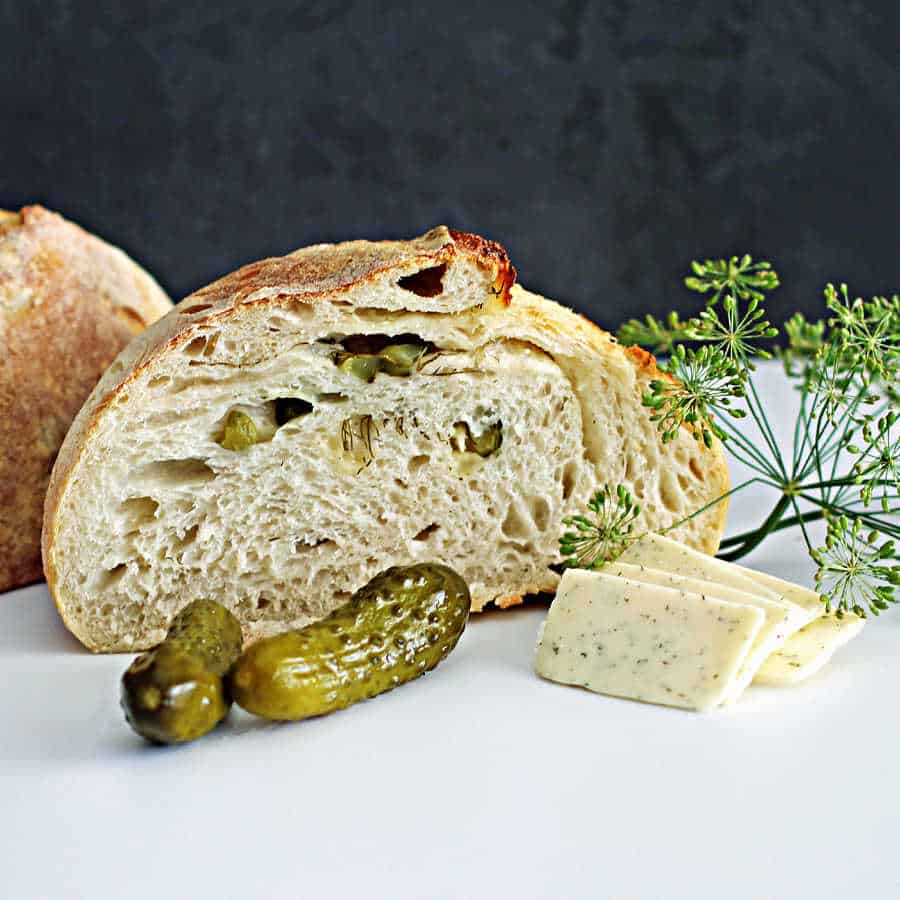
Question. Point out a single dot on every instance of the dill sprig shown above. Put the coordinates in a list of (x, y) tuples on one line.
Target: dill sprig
[(844, 463), (603, 535)]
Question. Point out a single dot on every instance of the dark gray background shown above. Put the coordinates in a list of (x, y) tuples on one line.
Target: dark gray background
[(605, 144)]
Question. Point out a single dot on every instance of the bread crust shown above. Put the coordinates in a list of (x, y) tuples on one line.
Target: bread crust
[(322, 273), (69, 303)]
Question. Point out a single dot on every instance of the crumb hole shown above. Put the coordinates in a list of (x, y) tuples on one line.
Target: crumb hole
[(515, 525), (195, 347), (196, 308), (138, 511), (427, 532), (569, 479), (425, 283), (176, 472), (416, 462), (698, 474), (540, 512)]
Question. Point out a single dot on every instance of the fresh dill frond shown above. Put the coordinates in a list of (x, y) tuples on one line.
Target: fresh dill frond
[(843, 467), (704, 380), (604, 535), (736, 277), (657, 335), (853, 572)]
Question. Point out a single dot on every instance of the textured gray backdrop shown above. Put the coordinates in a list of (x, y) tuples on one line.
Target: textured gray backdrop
[(605, 144)]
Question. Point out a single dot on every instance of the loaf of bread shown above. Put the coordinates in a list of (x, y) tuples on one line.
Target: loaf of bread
[(68, 304), (296, 427)]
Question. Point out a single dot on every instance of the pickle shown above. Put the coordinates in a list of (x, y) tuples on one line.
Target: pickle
[(393, 629), (240, 431), (363, 366), (401, 359), (176, 693)]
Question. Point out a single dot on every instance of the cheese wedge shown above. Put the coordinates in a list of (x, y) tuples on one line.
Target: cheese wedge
[(645, 642), (658, 552), (780, 622), (808, 650)]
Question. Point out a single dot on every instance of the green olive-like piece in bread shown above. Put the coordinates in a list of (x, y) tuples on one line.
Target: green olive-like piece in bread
[(176, 692), (393, 629), (239, 432)]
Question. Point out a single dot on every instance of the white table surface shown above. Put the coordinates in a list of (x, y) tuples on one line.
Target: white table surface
[(479, 780)]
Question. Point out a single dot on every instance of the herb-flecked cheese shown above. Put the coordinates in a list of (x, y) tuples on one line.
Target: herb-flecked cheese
[(796, 593), (809, 650), (645, 642), (658, 552), (778, 626)]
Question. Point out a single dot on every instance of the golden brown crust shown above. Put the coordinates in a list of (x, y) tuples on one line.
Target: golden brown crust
[(68, 304), (493, 256)]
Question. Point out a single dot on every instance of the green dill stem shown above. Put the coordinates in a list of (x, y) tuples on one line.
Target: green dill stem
[(711, 503), (762, 532), (789, 522), (762, 422)]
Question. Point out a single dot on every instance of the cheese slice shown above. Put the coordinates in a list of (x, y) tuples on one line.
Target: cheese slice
[(809, 650), (796, 593), (645, 642), (778, 626), (658, 552)]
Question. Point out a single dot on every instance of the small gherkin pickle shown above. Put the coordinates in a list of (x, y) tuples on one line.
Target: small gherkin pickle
[(401, 359), (364, 366), (393, 629), (239, 432), (176, 693), (398, 360)]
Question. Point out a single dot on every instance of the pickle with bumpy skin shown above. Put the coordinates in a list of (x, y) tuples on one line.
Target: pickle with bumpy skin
[(393, 629), (176, 692)]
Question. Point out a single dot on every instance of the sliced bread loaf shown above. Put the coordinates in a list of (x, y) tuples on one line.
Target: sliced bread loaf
[(298, 426)]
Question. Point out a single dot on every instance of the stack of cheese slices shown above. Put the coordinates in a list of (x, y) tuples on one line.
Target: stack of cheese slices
[(668, 624)]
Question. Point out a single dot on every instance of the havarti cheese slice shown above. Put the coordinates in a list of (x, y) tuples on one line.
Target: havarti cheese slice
[(644, 641), (808, 650), (780, 621)]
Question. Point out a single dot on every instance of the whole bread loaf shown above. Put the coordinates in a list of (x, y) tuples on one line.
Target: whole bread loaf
[(268, 445), (69, 303)]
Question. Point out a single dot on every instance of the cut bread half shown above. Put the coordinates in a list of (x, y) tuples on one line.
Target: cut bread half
[(269, 446)]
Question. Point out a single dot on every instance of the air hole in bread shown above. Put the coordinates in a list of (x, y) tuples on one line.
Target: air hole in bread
[(197, 308), (427, 532), (109, 578), (515, 524), (569, 478), (695, 468), (540, 513), (185, 541), (301, 547), (159, 381), (173, 473), (668, 492), (426, 282), (416, 462), (138, 511), (195, 347), (263, 602)]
